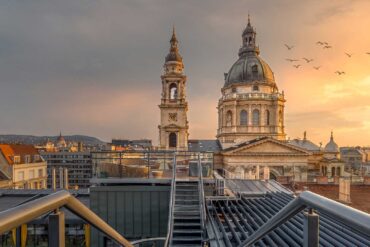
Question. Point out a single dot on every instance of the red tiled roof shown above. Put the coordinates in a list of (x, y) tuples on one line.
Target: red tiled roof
[(10, 150)]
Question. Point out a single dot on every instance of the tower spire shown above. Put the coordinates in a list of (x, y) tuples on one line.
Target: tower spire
[(174, 55), (173, 38)]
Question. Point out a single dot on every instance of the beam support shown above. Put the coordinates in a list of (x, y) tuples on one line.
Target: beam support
[(310, 229), (56, 230)]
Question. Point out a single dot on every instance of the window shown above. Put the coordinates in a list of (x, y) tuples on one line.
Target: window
[(172, 140), (36, 158), (173, 91), (256, 117), (31, 174), (21, 176), (267, 117), (17, 159), (255, 71), (243, 117), (255, 88), (27, 159), (41, 173), (229, 118), (233, 90)]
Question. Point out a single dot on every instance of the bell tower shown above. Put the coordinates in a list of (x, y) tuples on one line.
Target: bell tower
[(173, 128)]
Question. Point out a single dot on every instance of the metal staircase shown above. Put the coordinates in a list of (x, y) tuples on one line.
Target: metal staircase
[(187, 211), (187, 221)]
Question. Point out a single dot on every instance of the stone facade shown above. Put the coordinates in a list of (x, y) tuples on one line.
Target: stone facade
[(251, 105), (173, 129), (281, 158)]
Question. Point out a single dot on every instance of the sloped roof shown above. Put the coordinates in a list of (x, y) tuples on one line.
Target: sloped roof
[(236, 220), (204, 146), (10, 150), (305, 144)]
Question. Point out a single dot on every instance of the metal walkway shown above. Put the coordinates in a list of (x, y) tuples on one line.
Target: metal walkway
[(187, 213)]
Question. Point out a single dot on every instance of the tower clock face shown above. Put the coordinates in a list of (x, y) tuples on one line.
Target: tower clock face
[(172, 117)]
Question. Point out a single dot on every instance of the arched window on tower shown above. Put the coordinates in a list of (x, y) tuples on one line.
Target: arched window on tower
[(229, 118), (172, 140), (256, 117), (250, 41), (173, 91), (267, 117), (243, 118)]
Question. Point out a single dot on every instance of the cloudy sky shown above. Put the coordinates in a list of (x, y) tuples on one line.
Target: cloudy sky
[(93, 67)]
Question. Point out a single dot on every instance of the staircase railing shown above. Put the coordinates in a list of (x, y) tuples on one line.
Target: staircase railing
[(14, 217), (202, 208), (172, 204)]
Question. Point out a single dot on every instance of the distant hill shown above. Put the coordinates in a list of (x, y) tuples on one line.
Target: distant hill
[(40, 140)]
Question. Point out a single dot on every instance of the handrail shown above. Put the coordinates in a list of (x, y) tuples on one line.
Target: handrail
[(146, 240), (14, 217), (201, 195), (354, 218), (172, 201)]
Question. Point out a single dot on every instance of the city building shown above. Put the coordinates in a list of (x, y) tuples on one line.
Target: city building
[(78, 165), (21, 166)]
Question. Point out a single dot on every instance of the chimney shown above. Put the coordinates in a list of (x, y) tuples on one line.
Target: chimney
[(66, 185), (345, 190), (53, 179), (61, 177)]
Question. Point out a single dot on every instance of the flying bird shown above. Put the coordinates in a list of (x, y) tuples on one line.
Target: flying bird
[(325, 43), (296, 65), (319, 43), (292, 60), (317, 68), (307, 60), (340, 72), (348, 54), (368, 53), (289, 47), (326, 47)]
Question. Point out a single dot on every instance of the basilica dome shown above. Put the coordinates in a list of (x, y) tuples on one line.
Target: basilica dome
[(331, 146), (249, 67)]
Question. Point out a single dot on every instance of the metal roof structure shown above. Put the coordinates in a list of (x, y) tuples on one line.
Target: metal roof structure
[(204, 146), (246, 187), (234, 221)]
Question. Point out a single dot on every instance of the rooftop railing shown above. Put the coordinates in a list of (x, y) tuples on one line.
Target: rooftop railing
[(15, 217)]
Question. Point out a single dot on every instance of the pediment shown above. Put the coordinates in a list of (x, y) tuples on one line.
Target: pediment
[(265, 146)]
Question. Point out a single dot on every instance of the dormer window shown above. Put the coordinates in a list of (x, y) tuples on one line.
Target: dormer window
[(16, 159), (36, 158), (27, 159), (233, 90), (255, 88)]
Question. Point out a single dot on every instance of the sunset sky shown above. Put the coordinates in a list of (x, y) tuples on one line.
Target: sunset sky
[(93, 67)]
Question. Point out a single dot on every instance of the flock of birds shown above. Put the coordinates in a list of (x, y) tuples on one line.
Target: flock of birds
[(323, 45)]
